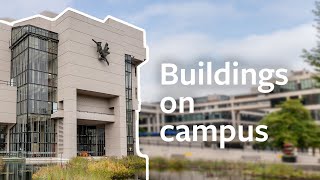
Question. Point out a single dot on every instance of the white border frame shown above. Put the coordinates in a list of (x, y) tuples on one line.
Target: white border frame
[(139, 66)]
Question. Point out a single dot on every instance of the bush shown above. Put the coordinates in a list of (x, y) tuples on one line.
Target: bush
[(133, 162), (83, 168), (108, 168)]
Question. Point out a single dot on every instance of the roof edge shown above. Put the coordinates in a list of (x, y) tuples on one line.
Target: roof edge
[(72, 10), (86, 15)]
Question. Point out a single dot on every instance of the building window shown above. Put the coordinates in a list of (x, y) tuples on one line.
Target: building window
[(135, 71), (311, 99), (34, 70), (129, 110), (308, 84)]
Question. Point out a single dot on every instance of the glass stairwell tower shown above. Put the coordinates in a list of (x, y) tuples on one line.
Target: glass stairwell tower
[(34, 70)]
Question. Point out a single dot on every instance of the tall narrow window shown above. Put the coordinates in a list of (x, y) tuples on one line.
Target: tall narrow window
[(129, 111)]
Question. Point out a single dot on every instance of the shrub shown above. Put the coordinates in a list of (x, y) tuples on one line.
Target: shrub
[(109, 168), (134, 162), (82, 168)]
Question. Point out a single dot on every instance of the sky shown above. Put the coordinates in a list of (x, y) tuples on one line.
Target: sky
[(256, 33)]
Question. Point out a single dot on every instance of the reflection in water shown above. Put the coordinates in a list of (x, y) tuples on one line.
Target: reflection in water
[(196, 175), (18, 170)]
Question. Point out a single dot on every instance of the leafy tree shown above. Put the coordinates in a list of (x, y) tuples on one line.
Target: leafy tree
[(313, 56), (291, 124)]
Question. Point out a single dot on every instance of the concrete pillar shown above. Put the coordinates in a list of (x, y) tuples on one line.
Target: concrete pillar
[(149, 124), (70, 123), (8, 137), (59, 137), (116, 133), (157, 124), (233, 115), (238, 117), (162, 119), (153, 122), (233, 118)]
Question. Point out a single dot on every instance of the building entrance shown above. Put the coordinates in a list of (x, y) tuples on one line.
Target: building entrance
[(90, 140)]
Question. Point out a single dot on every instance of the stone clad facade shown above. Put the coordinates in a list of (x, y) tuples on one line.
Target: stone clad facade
[(91, 104)]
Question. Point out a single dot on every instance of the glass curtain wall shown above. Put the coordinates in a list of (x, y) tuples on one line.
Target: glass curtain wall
[(91, 140), (34, 69), (129, 111)]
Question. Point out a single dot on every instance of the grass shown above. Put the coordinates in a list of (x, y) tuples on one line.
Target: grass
[(84, 168), (281, 171), (126, 167), (173, 164)]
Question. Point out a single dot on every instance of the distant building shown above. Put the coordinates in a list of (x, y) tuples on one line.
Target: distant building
[(57, 98), (245, 109)]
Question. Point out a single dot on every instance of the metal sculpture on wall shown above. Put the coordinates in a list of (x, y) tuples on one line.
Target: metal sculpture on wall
[(103, 52)]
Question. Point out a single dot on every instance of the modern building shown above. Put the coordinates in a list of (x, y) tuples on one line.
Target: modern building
[(245, 109), (61, 93)]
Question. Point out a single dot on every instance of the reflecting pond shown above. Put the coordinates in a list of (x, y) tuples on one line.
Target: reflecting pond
[(19, 170), (196, 175)]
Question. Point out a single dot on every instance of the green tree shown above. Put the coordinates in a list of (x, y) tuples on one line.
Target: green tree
[(313, 56), (291, 124)]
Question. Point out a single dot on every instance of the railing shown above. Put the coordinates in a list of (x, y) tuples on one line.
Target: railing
[(28, 154), (8, 83)]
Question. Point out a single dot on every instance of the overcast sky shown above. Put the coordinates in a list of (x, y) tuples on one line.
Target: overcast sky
[(256, 33)]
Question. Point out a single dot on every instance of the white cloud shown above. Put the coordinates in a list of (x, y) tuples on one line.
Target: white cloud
[(288, 9), (281, 48), (187, 12), (21, 8), (181, 46)]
